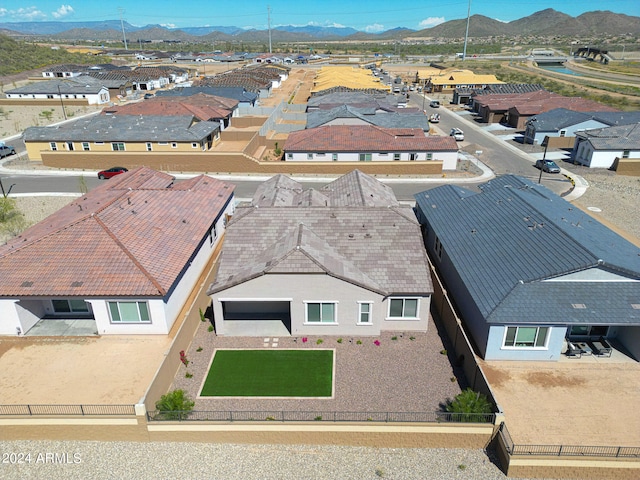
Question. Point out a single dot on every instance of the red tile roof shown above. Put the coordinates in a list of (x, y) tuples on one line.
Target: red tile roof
[(161, 107), (132, 236), (366, 138)]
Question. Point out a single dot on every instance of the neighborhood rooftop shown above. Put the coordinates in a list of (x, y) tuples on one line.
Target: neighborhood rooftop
[(133, 234)]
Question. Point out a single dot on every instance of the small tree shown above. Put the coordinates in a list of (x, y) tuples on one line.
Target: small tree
[(468, 405), (174, 405)]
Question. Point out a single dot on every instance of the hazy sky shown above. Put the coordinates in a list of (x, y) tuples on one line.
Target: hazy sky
[(371, 15)]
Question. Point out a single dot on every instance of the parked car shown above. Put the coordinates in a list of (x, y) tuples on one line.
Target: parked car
[(457, 134), (435, 118), (148, 96), (111, 172), (548, 166), (434, 104), (6, 150)]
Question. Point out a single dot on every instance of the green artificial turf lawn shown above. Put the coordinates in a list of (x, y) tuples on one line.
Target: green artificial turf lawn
[(270, 373)]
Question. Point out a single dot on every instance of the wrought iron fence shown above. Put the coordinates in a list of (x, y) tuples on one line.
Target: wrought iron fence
[(566, 450), (67, 410), (319, 416)]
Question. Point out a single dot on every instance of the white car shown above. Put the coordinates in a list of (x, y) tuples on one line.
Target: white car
[(457, 134)]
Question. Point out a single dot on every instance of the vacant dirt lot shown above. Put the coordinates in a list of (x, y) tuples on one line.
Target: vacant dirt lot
[(586, 401)]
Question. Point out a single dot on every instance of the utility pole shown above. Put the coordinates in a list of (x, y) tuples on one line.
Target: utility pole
[(466, 34), (124, 37), (269, 25)]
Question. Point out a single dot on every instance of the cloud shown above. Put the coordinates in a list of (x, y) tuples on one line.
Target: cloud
[(3, 12), (63, 11), (28, 13), (376, 27), (431, 22), (170, 25)]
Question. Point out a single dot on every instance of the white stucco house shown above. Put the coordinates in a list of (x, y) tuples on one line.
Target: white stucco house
[(369, 143), (82, 87), (347, 259), (601, 147), (126, 255)]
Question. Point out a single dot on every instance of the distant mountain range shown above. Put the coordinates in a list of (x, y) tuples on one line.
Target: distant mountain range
[(544, 23)]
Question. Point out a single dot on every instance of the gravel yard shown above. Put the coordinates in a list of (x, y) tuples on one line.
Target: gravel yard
[(368, 378), (159, 461)]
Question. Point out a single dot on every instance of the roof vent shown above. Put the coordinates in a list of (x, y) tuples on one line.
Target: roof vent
[(77, 284), (580, 306), (351, 236), (26, 284), (635, 306)]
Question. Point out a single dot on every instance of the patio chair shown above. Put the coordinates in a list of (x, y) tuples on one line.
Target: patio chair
[(601, 347), (573, 351)]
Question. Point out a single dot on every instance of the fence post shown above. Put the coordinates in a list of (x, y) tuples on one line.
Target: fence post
[(387, 419), (29, 408), (82, 410), (560, 450), (618, 452)]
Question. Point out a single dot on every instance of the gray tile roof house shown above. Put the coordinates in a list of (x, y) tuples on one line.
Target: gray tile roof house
[(244, 97), (125, 128), (343, 260), (82, 86), (565, 122), (348, 115), (599, 148), (331, 99), (528, 269)]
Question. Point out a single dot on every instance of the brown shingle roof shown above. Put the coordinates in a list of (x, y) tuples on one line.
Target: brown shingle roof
[(365, 138), (132, 236)]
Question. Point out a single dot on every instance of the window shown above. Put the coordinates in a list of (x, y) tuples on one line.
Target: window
[(396, 156), (62, 305), (429, 156), (129, 312), (163, 143), (526, 337), (53, 146), (194, 145), (403, 308), (625, 154), (213, 234), (334, 157), (309, 156), (117, 146), (563, 133), (437, 247), (589, 331), (289, 156), (174, 145), (365, 157), (149, 147), (321, 312), (364, 313), (85, 146)]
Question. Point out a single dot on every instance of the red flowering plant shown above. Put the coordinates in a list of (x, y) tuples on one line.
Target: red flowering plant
[(304, 339), (183, 358), (376, 343)]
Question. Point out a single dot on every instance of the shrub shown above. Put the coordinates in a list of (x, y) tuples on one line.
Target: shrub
[(210, 329), (319, 341), (339, 340), (199, 349), (188, 375), (469, 404), (443, 352), (394, 338), (318, 418), (174, 405), (412, 338), (202, 317)]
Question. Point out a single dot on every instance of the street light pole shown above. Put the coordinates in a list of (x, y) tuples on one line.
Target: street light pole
[(61, 103), (544, 156)]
